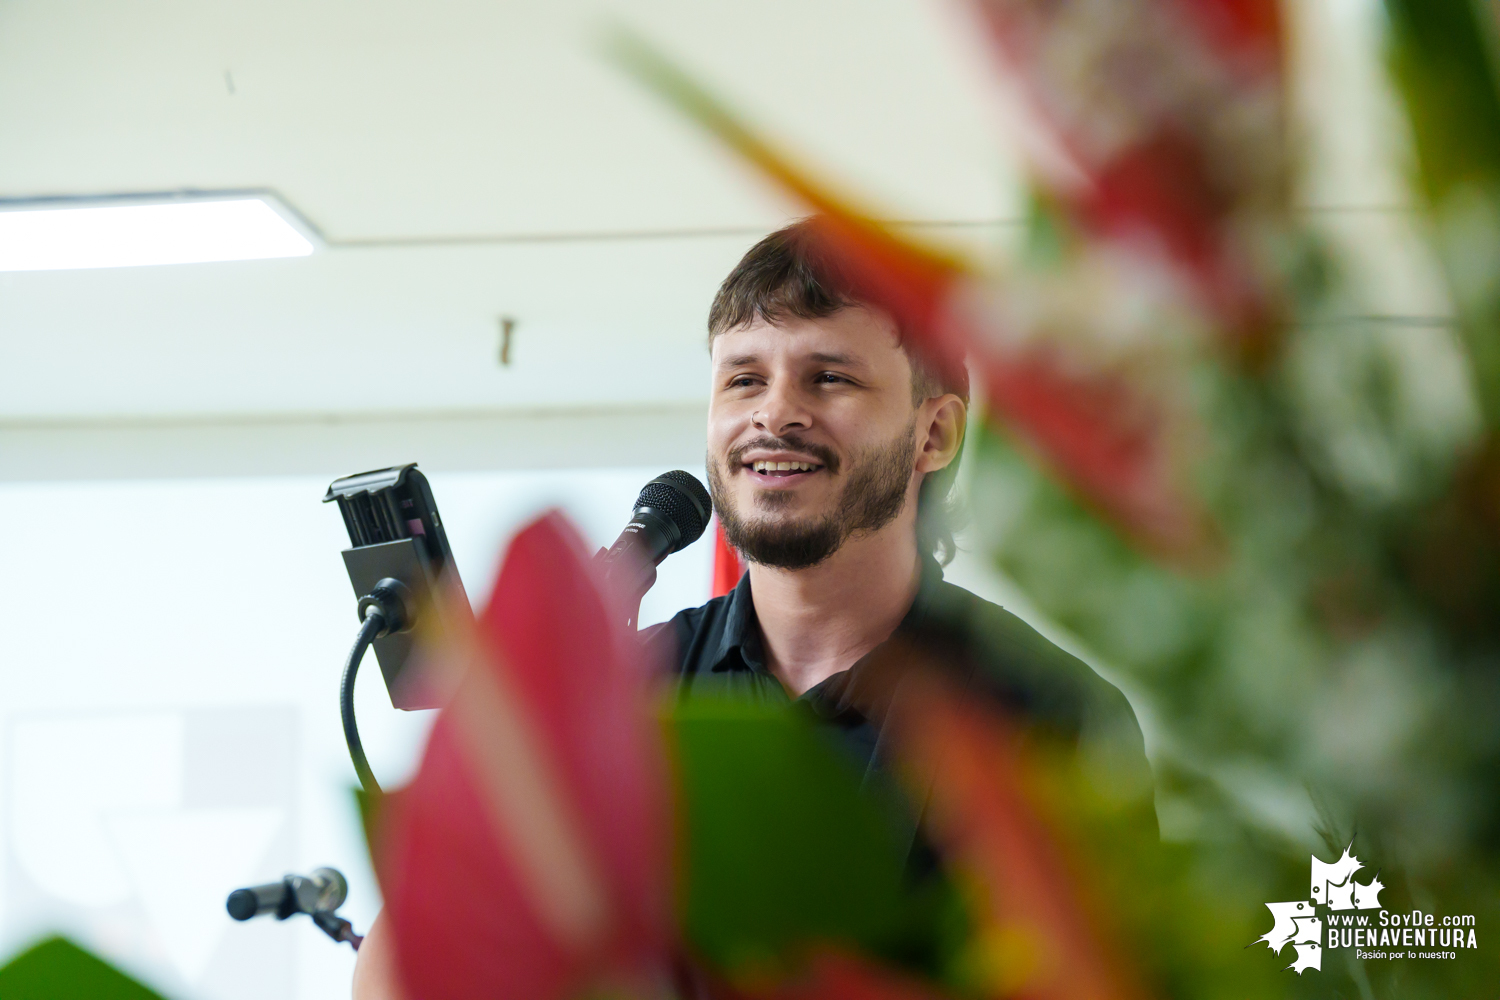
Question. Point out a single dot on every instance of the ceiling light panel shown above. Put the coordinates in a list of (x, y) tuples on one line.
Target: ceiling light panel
[(58, 235)]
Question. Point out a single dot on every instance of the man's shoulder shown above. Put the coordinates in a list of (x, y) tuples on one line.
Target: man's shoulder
[(1013, 663), (1003, 641), (1013, 659)]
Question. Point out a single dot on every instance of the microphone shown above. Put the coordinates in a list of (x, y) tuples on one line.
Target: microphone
[(670, 514), (321, 892), (318, 895)]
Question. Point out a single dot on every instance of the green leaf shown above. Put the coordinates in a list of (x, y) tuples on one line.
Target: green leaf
[(57, 969), (783, 848)]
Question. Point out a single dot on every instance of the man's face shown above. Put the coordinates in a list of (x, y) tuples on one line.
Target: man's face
[(811, 434)]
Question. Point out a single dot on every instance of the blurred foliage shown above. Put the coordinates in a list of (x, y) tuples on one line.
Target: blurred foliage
[(1182, 915), (1338, 675), (1176, 346), (1345, 659), (1442, 55), (57, 969)]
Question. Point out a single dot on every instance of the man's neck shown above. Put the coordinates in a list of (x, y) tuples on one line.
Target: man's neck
[(819, 621)]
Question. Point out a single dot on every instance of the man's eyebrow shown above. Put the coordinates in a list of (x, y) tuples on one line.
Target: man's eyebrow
[(847, 360)]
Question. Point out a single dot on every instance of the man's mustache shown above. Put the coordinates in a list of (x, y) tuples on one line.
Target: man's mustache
[(822, 453)]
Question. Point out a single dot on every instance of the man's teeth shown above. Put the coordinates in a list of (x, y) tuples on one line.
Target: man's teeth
[(783, 466)]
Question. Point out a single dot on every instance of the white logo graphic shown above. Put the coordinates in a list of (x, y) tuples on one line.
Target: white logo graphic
[(1297, 921)]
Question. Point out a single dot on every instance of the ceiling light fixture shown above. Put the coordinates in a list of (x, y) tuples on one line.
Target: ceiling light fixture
[(136, 230)]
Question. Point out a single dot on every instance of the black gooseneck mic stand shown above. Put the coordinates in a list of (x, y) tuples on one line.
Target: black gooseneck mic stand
[(386, 609)]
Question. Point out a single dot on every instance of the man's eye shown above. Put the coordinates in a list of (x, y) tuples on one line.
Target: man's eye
[(741, 382), (829, 378)]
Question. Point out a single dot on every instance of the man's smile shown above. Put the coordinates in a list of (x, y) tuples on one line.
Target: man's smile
[(781, 465), (779, 469), (772, 467)]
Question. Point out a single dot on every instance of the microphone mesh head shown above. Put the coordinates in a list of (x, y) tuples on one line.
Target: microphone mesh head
[(682, 498)]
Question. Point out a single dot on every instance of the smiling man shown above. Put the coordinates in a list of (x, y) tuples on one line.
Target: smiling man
[(831, 456), (820, 436), (832, 452)]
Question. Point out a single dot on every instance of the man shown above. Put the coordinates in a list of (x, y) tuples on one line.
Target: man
[(832, 451)]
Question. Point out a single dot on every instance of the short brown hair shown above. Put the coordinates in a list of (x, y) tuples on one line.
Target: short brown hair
[(789, 274)]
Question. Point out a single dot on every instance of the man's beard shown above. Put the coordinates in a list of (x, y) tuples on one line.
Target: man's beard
[(873, 495)]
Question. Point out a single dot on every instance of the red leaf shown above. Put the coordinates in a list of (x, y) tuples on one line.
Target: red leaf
[(983, 820), (529, 857)]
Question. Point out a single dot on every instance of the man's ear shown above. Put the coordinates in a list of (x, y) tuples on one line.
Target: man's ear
[(945, 418)]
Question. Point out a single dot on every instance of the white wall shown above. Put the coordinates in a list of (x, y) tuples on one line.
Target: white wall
[(168, 705)]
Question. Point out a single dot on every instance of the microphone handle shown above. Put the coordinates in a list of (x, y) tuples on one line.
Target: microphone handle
[(322, 891), (258, 900), (651, 535), (630, 564)]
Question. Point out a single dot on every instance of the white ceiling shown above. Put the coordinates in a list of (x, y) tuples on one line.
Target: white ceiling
[(465, 161), (396, 120), (365, 330), (469, 160)]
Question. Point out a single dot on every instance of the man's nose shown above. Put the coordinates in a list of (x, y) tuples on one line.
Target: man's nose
[(781, 410)]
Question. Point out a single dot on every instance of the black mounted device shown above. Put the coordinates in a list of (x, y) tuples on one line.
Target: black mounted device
[(397, 538)]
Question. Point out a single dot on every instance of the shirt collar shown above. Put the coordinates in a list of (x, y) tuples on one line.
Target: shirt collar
[(740, 643)]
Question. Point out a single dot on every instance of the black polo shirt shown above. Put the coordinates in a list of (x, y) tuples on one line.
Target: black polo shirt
[(718, 648)]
